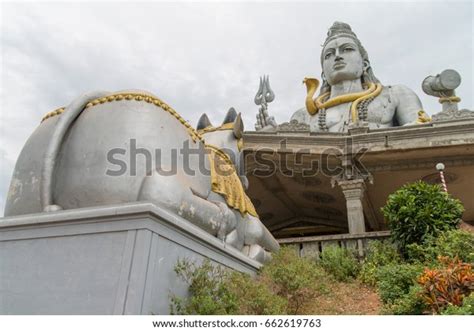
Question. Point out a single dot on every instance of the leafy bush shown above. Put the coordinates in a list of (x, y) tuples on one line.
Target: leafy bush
[(467, 307), (449, 284), (255, 297), (396, 280), (378, 254), (296, 279), (410, 303), (419, 210), (339, 262), (454, 243), (282, 286), (207, 286)]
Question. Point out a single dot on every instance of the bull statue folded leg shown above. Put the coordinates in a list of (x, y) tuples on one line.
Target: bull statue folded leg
[(77, 157)]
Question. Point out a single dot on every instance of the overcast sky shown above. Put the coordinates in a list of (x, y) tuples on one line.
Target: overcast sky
[(207, 57)]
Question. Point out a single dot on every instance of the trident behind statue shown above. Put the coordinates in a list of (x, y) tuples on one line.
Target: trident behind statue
[(264, 96)]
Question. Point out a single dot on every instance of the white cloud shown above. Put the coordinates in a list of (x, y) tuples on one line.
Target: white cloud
[(208, 57)]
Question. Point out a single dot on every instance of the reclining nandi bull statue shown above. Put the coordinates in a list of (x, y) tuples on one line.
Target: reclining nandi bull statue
[(67, 163)]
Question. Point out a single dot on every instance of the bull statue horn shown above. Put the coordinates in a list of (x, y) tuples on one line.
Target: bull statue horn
[(203, 122)]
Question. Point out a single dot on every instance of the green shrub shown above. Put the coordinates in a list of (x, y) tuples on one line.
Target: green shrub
[(409, 303), (452, 243), (339, 262), (368, 273), (419, 210), (255, 297), (282, 286), (396, 280), (467, 307), (378, 254), (209, 294), (296, 279)]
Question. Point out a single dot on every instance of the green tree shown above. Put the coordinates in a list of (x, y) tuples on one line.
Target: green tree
[(418, 211)]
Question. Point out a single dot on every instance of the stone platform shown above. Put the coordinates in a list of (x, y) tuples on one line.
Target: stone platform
[(102, 260)]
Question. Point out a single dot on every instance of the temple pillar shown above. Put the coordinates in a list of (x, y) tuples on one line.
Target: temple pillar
[(354, 190)]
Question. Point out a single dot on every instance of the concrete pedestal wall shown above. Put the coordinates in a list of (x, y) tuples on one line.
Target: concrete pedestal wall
[(104, 260)]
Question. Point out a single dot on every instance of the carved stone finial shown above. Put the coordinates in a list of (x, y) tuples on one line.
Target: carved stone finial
[(293, 126)]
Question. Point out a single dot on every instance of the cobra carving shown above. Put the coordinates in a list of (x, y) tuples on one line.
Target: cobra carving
[(66, 164)]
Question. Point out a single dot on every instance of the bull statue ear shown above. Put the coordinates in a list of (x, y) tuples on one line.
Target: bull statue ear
[(203, 122), (231, 116), (238, 127)]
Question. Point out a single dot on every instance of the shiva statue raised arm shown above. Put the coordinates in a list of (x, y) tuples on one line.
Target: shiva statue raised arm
[(350, 93)]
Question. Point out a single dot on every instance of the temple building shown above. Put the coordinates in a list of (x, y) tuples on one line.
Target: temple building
[(295, 205), (326, 173)]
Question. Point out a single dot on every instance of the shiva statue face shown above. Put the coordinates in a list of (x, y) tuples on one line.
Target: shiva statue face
[(342, 60)]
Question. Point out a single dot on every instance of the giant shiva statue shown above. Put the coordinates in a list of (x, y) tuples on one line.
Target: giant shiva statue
[(350, 92)]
